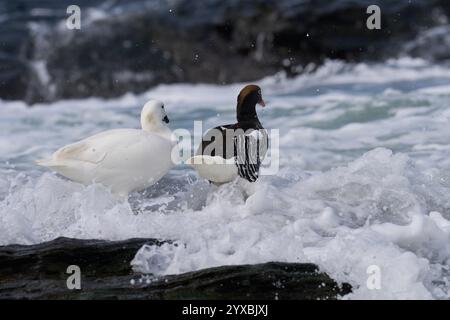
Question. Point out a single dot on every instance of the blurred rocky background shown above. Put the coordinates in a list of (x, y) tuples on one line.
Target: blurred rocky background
[(132, 45)]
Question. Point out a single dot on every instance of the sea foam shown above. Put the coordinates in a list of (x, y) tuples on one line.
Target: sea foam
[(364, 179)]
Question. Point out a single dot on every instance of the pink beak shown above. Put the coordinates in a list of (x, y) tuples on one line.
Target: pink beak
[(262, 103)]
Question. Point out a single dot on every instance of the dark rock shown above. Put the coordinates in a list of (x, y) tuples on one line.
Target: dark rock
[(38, 272), (285, 281), (129, 46)]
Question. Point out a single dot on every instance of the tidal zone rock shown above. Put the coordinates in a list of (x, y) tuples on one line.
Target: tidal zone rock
[(131, 45), (40, 272)]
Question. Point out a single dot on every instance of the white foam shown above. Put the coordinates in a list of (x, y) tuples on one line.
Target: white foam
[(338, 200)]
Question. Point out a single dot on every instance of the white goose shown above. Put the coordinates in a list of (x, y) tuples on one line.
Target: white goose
[(124, 160)]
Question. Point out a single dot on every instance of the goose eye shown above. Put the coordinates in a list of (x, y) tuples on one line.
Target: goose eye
[(162, 107)]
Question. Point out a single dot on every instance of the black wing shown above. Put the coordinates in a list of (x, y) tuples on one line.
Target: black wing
[(249, 152)]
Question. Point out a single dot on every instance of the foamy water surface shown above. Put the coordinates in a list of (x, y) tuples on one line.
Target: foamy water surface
[(364, 179)]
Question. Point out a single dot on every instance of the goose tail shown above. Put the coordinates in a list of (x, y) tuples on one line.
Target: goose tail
[(46, 163), (215, 169)]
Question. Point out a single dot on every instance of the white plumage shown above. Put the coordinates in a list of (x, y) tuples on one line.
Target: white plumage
[(215, 169), (124, 160)]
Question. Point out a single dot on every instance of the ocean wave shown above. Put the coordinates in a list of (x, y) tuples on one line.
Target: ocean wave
[(363, 180), (378, 210)]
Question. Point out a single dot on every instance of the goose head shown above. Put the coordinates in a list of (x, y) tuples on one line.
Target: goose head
[(153, 116), (247, 100)]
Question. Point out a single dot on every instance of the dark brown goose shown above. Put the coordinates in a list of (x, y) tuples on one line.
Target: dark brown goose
[(237, 149)]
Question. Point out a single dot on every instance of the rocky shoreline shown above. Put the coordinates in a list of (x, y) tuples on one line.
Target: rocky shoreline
[(130, 46), (39, 272)]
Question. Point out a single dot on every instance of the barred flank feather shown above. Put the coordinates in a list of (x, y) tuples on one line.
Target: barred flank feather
[(247, 159)]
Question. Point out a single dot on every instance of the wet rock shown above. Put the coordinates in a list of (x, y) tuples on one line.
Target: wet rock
[(39, 272), (130, 46)]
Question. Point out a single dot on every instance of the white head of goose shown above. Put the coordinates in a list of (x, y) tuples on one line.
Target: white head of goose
[(233, 150)]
